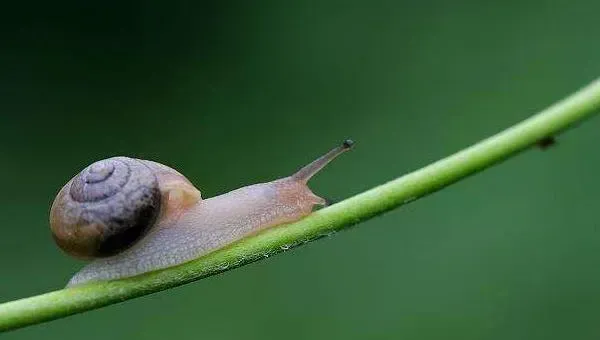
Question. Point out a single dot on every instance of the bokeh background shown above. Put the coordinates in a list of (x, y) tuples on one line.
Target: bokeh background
[(236, 92)]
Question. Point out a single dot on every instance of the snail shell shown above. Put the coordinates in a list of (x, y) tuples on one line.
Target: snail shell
[(106, 208)]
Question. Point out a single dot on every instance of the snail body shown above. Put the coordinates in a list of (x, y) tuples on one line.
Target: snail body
[(151, 217)]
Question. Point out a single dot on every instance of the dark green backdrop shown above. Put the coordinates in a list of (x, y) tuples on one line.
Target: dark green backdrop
[(236, 92)]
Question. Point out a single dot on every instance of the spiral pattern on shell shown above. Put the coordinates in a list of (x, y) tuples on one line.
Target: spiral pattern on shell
[(105, 208)]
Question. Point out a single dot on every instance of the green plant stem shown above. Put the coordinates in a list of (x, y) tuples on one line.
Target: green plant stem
[(61, 303)]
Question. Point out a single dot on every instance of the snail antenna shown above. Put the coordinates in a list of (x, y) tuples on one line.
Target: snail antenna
[(315, 166)]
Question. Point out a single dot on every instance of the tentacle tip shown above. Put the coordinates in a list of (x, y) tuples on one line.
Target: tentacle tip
[(348, 144), (329, 201)]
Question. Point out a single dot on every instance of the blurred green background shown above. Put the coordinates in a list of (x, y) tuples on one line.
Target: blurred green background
[(236, 92)]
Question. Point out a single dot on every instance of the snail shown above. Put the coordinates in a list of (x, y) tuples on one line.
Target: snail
[(131, 216)]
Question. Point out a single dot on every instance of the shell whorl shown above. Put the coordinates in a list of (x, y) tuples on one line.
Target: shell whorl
[(105, 208)]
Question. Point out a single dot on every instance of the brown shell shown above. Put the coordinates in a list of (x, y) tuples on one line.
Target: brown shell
[(106, 208)]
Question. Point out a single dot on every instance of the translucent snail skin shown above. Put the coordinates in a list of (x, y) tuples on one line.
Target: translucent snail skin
[(132, 216)]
